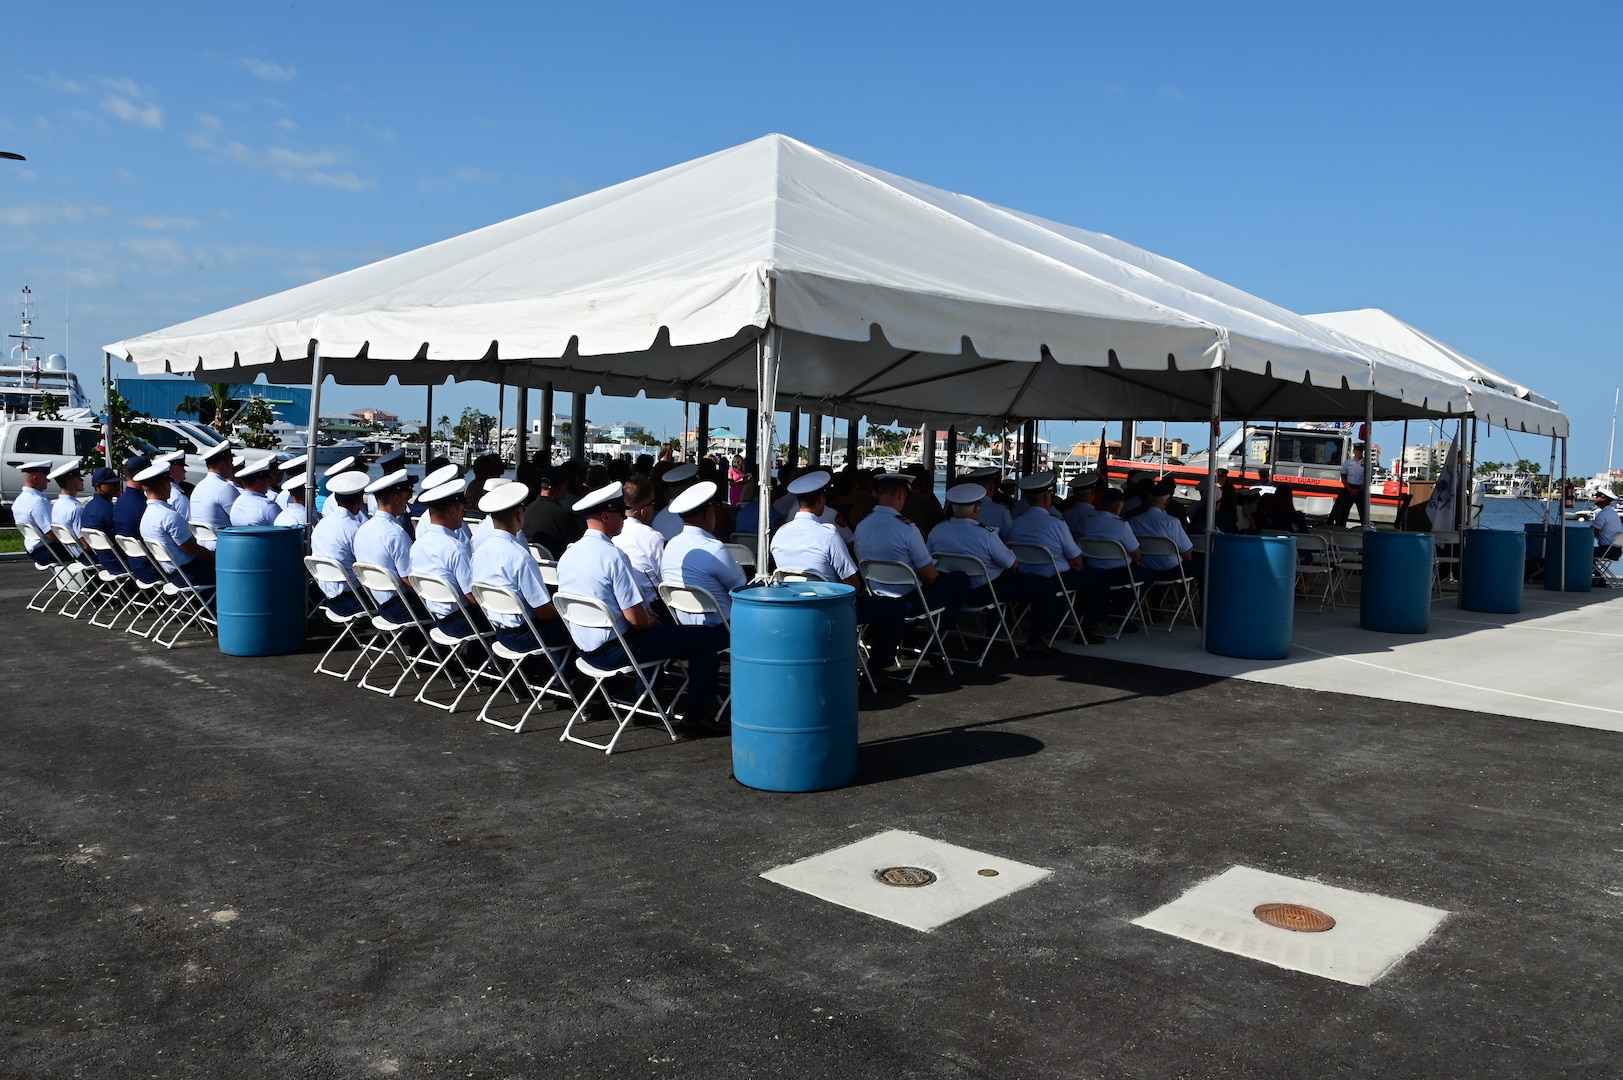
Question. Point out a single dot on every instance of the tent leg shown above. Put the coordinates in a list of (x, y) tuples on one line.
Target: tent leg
[(521, 427), (546, 427), (794, 438), (107, 409), (814, 440), (701, 440), (1211, 497), (766, 387), (312, 434), (952, 456), (577, 430), (1369, 466), (853, 433)]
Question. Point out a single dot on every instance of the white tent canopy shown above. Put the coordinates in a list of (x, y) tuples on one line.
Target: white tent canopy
[(1493, 397), (889, 298)]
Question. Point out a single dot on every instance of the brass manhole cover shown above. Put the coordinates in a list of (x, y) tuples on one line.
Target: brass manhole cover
[(906, 877), (1294, 917)]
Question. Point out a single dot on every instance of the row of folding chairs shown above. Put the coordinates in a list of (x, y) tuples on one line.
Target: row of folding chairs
[(147, 593)]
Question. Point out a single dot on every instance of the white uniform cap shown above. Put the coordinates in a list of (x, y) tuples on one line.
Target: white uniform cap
[(221, 447), (1041, 481), (350, 483), (964, 494), (806, 483), (442, 475), (296, 462), (383, 483), (1085, 480), (260, 467), (297, 480), (1602, 493), (171, 456), (504, 497), (681, 474), (151, 472), (441, 492), (63, 469), (36, 466), (603, 496), (237, 462), (694, 498), (894, 478), (341, 465), (1138, 476), (983, 474), (496, 481)]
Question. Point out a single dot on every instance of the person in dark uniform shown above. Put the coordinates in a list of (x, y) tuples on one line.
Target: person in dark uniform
[(547, 522)]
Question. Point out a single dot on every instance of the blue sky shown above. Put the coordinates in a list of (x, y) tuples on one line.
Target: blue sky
[(1455, 164)]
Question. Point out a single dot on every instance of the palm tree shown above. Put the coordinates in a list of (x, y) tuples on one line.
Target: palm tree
[(220, 396), (191, 405)]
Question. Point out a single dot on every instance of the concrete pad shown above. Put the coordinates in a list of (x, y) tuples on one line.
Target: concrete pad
[(1371, 933), (1546, 663), (964, 879)]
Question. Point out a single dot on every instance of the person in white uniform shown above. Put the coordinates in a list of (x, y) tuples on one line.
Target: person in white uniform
[(885, 535), (211, 499), (292, 515), (439, 551), (696, 558), (1039, 527), (594, 567), (334, 536), (1608, 529), (292, 467), (194, 563), (806, 542), (381, 541), (1351, 495), (1105, 572), (666, 523), (1154, 520), (67, 510), (31, 506), (178, 499), (487, 528), (993, 514), (644, 548), (963, 534), (254, 506), (1084, 491), (504, 559)]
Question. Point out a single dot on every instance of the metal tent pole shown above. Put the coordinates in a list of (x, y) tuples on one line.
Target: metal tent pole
[(1369, 469), (501, 412), (952, 456), (766, 387), (428, 436), (814, 440), (310, 436), (702, 432), (521, 427), (794, 438), (546, 427), (1561, 531), (107, 408), (577, 429), (1211, 501), (853, 437)]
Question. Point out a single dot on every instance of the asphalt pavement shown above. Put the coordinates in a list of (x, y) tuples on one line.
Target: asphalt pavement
[(222, 867)]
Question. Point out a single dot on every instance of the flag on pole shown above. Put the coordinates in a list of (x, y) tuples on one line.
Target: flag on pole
[(1441, 507)]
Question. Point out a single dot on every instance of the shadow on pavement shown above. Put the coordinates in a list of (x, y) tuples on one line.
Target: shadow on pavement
[(938, 751)]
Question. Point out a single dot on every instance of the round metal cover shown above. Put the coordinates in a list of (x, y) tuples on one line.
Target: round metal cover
[(905, 877), (1297, 917), (987, 873)]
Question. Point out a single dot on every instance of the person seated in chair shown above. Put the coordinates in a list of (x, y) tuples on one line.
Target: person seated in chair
[(695, 557), (440, 551), (1106, 572), (334, 536), (963, 534), (593, 567), (1608, 529), (162, 524), (1155, 521), (381, 541), (1054, 534), (886, 535), (254, 506), (505, 560), (33, 508)]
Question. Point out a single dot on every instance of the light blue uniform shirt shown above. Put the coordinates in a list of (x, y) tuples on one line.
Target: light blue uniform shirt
[(504, 559), (1607, 526), (34, 508), (694, 557), (252, 508), (885, 536), (382, 542), (441, 553), (211, 501), (68, 511), (1077, 517), (805, 543), (160, 524), (595, 568), (292, 516), (667, 524), (481, 532), (1047, 531), (179, 501), (996, 515), (334, 538), (1157, 522), (966, 536), (1108, 526)]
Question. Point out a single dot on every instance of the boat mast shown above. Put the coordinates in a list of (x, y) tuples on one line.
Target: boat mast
[(1612, 438)]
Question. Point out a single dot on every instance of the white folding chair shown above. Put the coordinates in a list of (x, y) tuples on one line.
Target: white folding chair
[(783, 574), (585, 612), (743, 555), (84, 585), (436, 590), (502, 601), (1605, 576), (1182, 586), (1098, 549), (204, 534), (1348, 546), (190, 604), (390, 633), (57, 583), (1321, 568), (325, 571), (117, 585), (1031, 554), (694, 600), (541, 555), (151, 585), (995, 610), (895, 575)]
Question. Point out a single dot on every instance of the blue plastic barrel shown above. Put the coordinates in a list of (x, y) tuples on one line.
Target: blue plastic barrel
[(794, 666), (1579, 548), (1396, 596), (1491, 567), (1250, 596), (259, 578), (1536, 532)]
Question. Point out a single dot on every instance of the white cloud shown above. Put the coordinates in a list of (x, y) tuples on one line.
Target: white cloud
[(470, 175), (270, 72), (146, 115), (286, 124), (166, 224), (348, 181), (430, 186), (163, 250), (121, 85), (36, 213), (25, 174), (381, 134), (53, 81), (303, 166)]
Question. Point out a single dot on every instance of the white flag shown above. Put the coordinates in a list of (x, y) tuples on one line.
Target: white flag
[(1441, 507)]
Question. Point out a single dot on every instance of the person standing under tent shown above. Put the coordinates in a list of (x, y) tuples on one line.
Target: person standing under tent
[(1351, 494)]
